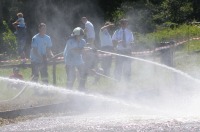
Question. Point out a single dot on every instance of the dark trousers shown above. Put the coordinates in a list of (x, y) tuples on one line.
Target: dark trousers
[(39, 68), (123, 66), (21, 41), (91, 60), (71, 76), (106, 60)]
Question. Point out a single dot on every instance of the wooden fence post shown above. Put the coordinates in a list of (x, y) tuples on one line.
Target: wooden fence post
[(54, 71)]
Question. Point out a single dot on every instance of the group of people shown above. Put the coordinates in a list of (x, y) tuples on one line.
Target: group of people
[(122, 40), (76, 56), (85, 59)]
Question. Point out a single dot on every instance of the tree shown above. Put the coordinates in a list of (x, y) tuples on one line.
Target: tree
[(176, 11), (61, 16)]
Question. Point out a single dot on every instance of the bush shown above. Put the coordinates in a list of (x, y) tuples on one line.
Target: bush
[(178, 33), (9, 42)]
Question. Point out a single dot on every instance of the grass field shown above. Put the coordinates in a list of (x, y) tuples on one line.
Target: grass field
[(144, 76), (183, 60), (147, 79)]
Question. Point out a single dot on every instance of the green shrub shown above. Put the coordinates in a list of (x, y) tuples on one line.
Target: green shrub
[(9, 44), (178, 33)]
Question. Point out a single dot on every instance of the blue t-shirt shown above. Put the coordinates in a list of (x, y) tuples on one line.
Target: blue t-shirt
[(21, 22), (41, 43), (71, 55)]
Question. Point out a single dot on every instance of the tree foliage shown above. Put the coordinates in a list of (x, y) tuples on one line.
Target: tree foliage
[(61, 16), (9, 43)]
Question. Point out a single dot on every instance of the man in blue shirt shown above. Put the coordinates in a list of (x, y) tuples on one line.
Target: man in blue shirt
[(40, 50), (73, 58)]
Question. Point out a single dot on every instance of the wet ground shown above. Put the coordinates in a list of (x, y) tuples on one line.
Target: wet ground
[(105, 123), (97, 113)]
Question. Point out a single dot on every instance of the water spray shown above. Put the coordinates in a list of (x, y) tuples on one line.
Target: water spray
[(154, 63), (16, 96)]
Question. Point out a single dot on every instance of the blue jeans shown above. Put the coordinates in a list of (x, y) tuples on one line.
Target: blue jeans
[(21, 41)]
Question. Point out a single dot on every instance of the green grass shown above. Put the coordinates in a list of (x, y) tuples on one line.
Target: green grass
[(145, 77), (182, 32), (142, 78)]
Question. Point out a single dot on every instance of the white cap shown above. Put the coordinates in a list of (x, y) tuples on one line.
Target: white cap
[(78, 31)]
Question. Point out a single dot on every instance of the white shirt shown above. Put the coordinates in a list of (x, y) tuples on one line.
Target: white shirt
[(118, 35), (105, 38), (90, 30)]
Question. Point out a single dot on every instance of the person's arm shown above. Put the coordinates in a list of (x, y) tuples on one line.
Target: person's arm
[(106, 26), (16, 22), (49, 53), (85, 29)]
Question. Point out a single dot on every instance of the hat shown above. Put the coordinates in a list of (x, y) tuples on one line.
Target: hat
[(78, 31)]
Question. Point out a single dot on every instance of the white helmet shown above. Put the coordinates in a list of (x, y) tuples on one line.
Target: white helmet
[(78, 31)]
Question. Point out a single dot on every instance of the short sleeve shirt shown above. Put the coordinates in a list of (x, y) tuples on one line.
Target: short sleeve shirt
[(118, 35), (71, 56), (90, 30), (41, 43), (21, 22)]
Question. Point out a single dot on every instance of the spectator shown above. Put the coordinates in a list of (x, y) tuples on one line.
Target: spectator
[(19, 23), (89, 56), (123, 39), (15, 75), (106, 45), (89, 31), (73, 58), (20, 32), (40, 51)]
